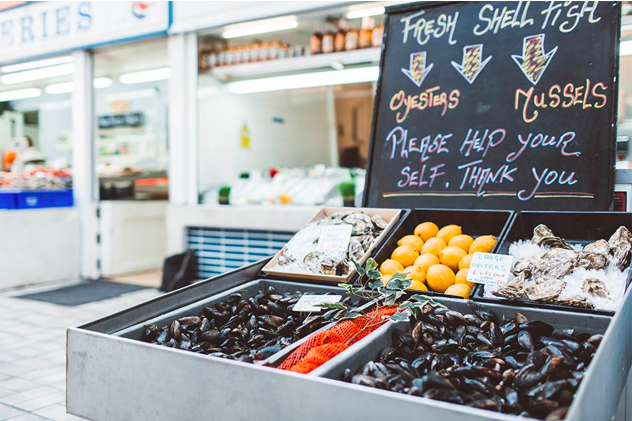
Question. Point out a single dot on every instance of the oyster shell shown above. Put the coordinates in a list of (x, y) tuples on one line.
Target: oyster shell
[(575, 301), (555, 264), (513, 290), (355, 249), (524, 265), (543, 236), (595, 287), (599, 247), (545, 290), (621, 245), (379, 222), (593, 260)]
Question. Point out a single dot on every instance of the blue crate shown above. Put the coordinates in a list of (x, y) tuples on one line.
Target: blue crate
[(8, 200), (44, 199)]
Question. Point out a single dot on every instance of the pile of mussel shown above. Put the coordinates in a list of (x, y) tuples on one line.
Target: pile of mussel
[(241, 328), (516, 366)]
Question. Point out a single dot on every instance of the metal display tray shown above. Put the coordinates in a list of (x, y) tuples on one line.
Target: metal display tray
[(574, 227), (248, 289), (473, 222), (113, 378)]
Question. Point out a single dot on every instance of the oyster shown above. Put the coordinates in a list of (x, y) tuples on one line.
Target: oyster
[(355, 249), (379, 222), (621, 245), (595, 287), (513, 290), (524, 265), (555, 264), (543, 236), (545, 290), (593, 260), (598, 247), (575, 301)]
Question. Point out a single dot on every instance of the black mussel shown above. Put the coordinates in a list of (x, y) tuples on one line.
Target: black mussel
[(489, 404), (476, 385), (271, 320), (537, 327), (525, 340), (558, 414), (482, 312), (520, 318), (446, 395), (401, 338), (564, 334), (205, 325), (365, 380), (163, 336), (190, 321), (174, 330), (595, 340), (266, 352), (455, 318), (150, 333)]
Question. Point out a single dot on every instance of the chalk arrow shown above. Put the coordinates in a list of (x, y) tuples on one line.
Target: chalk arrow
[(472, 63), (417, 71), (533, 61)]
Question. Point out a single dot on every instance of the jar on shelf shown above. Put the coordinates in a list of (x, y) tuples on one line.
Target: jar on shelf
[(365, 34), (316, 41), (328, 42), (377, 35), (351, 39)]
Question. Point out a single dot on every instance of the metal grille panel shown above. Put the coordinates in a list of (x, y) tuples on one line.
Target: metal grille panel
[(220, 250)]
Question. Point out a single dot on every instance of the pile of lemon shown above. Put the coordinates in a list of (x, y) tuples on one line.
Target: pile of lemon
[(436, 258)]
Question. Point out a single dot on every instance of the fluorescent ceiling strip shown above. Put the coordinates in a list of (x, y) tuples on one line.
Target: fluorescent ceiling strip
[(260, 27), (102, 82), (36, 64), (307, 80), (363, 13), (146, 76), (37, 74), (20, 94), (60, 88), (626, 48)]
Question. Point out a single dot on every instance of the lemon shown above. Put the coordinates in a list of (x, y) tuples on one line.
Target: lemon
[(463, 241), (411, 240), (405, 255), (426, 230), (484, 244), (426, 260), (451, 256), (461, 278), (419, 286), (390, 266), (415, 273), (460, 290), (446, 233), (466, 261), (440, 277), (433, 246)]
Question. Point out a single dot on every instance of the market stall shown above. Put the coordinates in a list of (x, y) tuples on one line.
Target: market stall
[(376, 312)]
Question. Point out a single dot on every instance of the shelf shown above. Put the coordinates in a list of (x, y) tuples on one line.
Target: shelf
[(249, 70)]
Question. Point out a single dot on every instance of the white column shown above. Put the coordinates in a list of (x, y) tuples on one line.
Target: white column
[(183, 119), (332, 132), (85, 183)]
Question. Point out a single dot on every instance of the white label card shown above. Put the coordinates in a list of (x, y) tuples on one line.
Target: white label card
[(490, 269), (335, 238), (308, 303)]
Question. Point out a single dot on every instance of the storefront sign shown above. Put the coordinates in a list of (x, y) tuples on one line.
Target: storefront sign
[(44, 28), (497, 105), (120, 120)]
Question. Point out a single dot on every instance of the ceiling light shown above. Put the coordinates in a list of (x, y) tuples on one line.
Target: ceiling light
[(60, 88), (102, 82), (36, 64), (146, 76), (626, 48), (363, 13), (260, 27), (306, 80), (37, 74), (19, 94)]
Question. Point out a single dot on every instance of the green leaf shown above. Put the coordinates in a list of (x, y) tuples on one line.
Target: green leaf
[(389, 300), (401, 316), (376, 284), (374, 274), (420, 298), (398, 283), (399, 275), (358, 267), (343, 285), (338, 306), (371, 264)]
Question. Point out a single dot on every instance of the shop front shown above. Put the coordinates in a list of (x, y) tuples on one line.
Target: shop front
[(81, 124)]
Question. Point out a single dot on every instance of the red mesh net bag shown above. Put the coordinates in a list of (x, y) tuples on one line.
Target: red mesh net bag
[(323, 346)]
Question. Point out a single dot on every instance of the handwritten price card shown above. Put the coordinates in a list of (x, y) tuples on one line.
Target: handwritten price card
[(335, 238), (489, 269), (508, 105)]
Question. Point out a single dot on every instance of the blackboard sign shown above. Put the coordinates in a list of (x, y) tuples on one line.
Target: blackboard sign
[(120, 120), (496, 105)]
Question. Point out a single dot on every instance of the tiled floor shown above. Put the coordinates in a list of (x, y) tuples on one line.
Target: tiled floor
[(33, 352)]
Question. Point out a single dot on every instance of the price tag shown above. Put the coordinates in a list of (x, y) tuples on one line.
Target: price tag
[(335, 238), (308, 303), (490, 269)]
